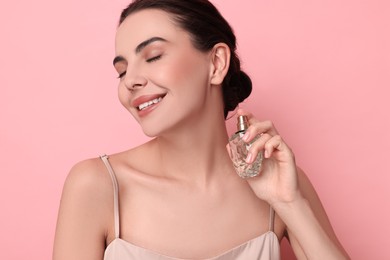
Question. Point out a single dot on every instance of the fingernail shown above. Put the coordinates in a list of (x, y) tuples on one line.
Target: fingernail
[(249, 158), (266, 154)]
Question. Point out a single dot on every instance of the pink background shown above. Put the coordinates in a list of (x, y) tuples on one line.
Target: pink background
[(320, 71)]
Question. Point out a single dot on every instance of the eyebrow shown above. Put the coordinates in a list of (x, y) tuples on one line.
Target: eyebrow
[(139, 47)]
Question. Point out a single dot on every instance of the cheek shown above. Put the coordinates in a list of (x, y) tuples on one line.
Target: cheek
[(194, 74), (124, 98), (190, 69), (183, 70), (192, 79)]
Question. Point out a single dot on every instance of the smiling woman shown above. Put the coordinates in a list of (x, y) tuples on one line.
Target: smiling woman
[(178, 196), (163, 59)]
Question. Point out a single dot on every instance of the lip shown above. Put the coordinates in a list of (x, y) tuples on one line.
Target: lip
[(145, 98)]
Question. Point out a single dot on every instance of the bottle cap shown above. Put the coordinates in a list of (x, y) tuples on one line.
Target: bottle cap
[(242, 123)]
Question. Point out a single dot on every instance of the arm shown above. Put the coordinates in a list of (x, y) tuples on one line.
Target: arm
[(83, 214), (286, 188), (308, 225)]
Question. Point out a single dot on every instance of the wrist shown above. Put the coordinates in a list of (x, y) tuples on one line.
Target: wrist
[(293, 202)]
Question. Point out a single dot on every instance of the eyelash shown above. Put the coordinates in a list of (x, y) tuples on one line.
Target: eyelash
[(153, 59), (156, 58)]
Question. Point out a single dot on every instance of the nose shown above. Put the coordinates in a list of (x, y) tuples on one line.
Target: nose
[(135, 81)]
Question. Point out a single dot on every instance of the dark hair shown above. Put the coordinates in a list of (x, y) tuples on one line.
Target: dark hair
[(206, 27)]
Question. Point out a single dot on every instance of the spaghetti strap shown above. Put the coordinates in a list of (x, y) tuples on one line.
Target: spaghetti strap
[(116, 193), (271, 219)]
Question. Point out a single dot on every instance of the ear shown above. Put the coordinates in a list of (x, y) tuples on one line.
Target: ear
[(220, 62)]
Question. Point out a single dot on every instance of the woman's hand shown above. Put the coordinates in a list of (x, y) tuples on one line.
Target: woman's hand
[(278, 180), (287, 189)]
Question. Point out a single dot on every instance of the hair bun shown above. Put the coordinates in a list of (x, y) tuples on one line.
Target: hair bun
[(245, 88)]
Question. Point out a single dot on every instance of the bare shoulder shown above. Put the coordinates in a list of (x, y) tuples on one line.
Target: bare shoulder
[(85, 212), (90, 182), (89, 174)]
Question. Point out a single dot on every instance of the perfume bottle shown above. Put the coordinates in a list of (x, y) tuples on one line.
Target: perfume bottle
[(239, 151)]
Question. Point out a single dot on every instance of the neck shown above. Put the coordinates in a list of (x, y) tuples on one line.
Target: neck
[(196, 152)]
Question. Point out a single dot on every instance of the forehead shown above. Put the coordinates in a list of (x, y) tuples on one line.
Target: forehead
[(145, 24)]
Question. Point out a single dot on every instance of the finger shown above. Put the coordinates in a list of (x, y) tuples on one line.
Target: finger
[(251, 118), (256, 126), (275, 143), (259, 128), (257, 147), (243, 112)]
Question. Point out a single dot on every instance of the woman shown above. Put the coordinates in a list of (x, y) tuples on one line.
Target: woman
[(178, 196)]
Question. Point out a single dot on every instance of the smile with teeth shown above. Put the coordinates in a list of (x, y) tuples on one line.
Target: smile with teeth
[(149, 103)]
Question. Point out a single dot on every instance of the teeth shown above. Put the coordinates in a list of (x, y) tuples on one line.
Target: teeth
[(149, 103)]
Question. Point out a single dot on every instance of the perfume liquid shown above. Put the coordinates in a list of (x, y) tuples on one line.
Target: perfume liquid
[(239, 151)]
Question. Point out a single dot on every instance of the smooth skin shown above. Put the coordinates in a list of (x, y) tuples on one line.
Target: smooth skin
[(179, 193)]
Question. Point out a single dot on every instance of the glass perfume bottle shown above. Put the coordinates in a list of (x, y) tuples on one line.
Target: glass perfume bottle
[(239, 151)]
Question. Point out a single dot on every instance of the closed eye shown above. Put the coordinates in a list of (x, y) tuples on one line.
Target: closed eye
[(156, 58), (153, 59)]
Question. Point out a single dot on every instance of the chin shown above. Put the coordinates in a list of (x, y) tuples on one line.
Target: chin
[(156, 130), (150, 133), (152, 130)]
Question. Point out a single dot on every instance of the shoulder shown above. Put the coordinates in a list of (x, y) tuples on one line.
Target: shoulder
[(85, 214), (87, 186), (88, 192), (88, 177)]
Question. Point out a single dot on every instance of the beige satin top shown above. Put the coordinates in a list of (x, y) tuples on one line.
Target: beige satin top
[(262, 247)]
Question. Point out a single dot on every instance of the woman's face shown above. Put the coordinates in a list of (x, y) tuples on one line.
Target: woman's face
[(163, 79)]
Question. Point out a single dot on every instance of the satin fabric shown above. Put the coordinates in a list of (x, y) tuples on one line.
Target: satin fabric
[(264, 247)]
